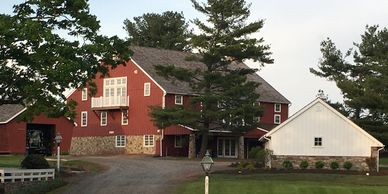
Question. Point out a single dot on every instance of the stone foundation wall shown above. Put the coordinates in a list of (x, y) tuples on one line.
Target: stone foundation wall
[(359, 163), (135, 145), (94, 146), (106, 145)]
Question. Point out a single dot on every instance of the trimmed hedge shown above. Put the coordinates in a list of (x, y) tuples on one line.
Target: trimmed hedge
[(34, 161)]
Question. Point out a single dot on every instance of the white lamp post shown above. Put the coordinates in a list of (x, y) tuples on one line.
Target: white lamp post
[(207, 163), (58, 139)]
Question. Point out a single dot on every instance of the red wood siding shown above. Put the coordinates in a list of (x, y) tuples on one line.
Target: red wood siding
[(267, 120), (139, 122), (14, 133), (169, 148)]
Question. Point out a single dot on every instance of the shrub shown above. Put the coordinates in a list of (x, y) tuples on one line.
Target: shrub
[(304, 164), (319, 165), (287, 164), (259, 154), (34, 161), (334, 165), (348, 165), (250, 166)]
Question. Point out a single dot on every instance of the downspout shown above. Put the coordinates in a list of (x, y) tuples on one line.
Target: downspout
[(162, 137), (378, 159)]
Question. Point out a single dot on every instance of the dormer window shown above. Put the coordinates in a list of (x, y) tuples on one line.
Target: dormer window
[(278, 108), (179, 99)]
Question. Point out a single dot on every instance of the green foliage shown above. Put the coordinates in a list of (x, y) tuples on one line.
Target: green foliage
[(319, 164), (348, 165), (259, 154), (303, 164), (247, 165), (168, 30), (226, 96), (287, 164), (34, 161), (334, 165), (48, 47), (361, 75)]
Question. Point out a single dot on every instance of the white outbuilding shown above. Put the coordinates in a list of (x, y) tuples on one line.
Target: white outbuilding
[(318, 132)]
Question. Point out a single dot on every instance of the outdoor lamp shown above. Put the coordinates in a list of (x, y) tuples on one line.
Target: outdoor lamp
[(58, 138), (207, 163)]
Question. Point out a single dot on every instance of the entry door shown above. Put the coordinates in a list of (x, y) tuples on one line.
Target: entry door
[(227, 147)]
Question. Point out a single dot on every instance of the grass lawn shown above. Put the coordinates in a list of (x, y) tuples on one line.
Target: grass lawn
[(289, 184), (10, 160), (384, 161)]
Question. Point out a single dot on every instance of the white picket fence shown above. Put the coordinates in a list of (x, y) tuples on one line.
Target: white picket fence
[(21, 175)]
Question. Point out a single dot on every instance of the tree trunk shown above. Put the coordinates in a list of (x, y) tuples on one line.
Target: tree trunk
[(204, 142)]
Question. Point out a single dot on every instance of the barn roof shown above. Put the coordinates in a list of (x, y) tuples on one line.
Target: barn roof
[(10, 111), (147, 58)]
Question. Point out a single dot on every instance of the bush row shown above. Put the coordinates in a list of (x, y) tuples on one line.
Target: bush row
[(318, 165)]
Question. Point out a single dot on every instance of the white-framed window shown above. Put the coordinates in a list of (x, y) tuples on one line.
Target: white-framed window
[(147, 89), (276, 119), (148, 140), (84, 94), (120, 141), (104, 118), (84, 118), (124, 117), (277, 108), (318, 141), (178, 141), (115, 86), (179, 99)]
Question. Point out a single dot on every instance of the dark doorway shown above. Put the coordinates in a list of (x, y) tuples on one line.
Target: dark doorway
[(39, 138)]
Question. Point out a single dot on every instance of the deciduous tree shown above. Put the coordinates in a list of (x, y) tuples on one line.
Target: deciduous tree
[(47, 47), (168, 30)]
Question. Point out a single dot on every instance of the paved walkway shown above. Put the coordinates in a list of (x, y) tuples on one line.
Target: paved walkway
[(138, 175)]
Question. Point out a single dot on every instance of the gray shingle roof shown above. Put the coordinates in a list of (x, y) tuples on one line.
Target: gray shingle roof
[(8, 111), (147, 58)]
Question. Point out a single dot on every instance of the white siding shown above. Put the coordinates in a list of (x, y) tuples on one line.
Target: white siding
[(339, 137)]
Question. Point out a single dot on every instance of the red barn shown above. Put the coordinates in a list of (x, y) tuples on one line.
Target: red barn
[(37, 136), (116, 119)]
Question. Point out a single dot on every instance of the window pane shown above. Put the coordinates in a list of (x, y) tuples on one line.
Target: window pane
[(220, 146), (232, 147)]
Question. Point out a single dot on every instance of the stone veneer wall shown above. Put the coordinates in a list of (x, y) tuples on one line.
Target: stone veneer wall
[(359, 163), (135, 145), (96, 145), (100, 145)]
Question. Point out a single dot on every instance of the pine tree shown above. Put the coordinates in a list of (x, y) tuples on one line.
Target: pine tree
[(362, 76), (228, 99)]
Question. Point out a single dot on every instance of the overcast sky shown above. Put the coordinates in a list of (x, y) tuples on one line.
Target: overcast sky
[(293, 29)]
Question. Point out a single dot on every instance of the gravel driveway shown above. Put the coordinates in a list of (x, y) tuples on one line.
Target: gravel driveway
[(138, 175)]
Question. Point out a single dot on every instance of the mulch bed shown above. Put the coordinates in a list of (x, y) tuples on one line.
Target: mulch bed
[(383, 172)]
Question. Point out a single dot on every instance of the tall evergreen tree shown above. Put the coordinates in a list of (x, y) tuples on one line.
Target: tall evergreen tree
[(168, 30), (228, 99), (47, 47), (362, 79)]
